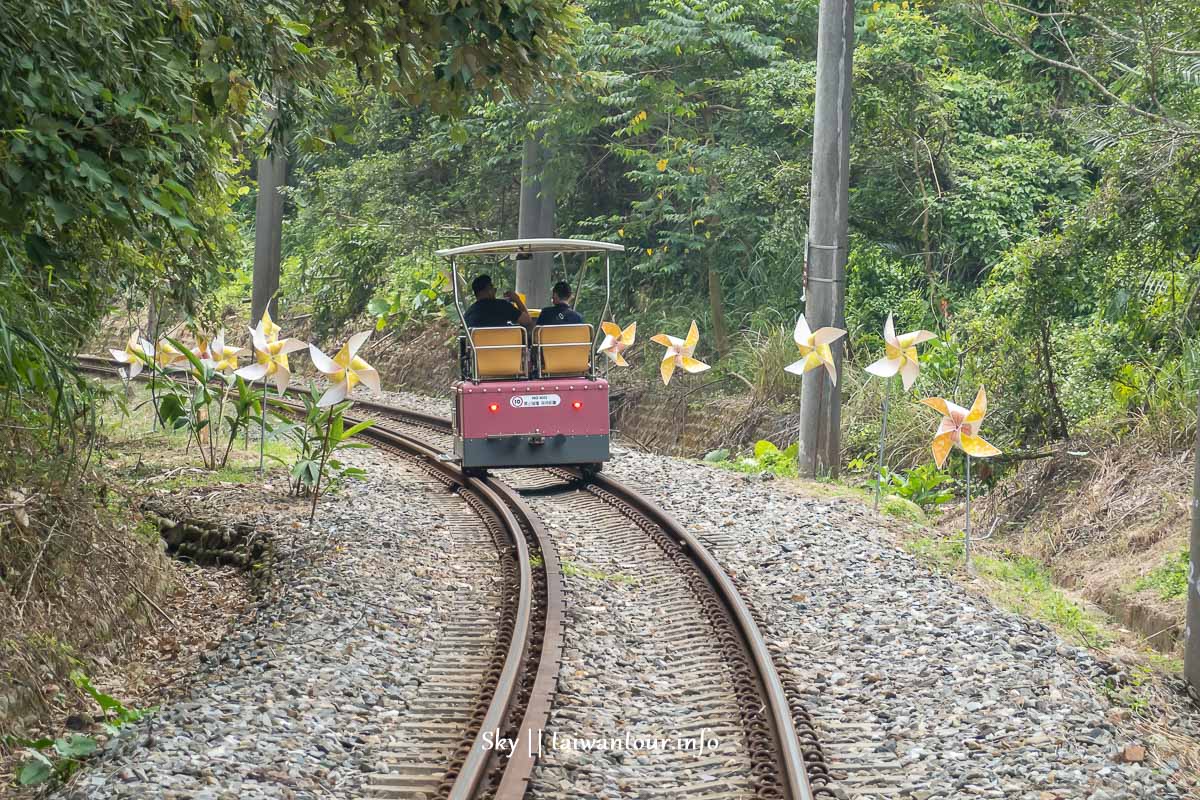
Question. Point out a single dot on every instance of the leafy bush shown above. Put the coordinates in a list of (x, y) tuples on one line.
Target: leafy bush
[(767, 458), (1169, 581), (57, 759), (925, 485), (317, 437)]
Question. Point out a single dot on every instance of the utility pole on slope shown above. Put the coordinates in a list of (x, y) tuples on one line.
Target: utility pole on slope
[(1191, 656), (268, 228), (535, 220), (828, 234)]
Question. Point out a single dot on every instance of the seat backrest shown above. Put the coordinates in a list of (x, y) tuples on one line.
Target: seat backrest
[(565, 349), (499, 352)]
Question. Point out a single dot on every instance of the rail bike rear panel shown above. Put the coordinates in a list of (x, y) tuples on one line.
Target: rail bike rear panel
[(531, 423)]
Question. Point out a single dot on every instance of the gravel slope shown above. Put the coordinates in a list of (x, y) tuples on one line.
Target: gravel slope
[(306, 701)]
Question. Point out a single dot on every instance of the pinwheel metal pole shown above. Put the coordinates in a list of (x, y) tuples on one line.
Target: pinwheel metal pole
[(967, 529), (887, 394), (262, 428)]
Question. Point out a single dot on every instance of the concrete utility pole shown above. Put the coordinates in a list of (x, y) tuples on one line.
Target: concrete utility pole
[(536, 220), (1191, 656), (268, 234), (268, 230), (828, 237)]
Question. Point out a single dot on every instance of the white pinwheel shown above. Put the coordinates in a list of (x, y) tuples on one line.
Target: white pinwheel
[(135, 355), (345, 370), (271, 357), (900, 354), (814, 347)]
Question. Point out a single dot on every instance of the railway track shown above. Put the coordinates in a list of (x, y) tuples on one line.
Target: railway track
[(719, 674)]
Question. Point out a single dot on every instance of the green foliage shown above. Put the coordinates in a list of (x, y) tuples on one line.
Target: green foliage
[(925, 485), (316, 439), (57, 759), (1168, 581), (766, 458), (212, 406)]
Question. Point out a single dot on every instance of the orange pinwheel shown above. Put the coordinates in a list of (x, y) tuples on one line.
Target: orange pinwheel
[(960, 427), (617, 341), (679, 353)]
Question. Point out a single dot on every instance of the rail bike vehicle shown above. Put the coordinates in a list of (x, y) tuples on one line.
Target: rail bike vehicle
[(529, 399)]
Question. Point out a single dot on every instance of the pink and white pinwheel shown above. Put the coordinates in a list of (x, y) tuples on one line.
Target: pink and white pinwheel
[(135, 355), (814, 347), (617, 341), (679, 353), (271, 355), (960, 427), (216, 354), (165, 354), (345, 370), (900, 354)]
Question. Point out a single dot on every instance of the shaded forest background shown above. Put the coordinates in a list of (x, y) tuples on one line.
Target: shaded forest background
[(1041, 217)]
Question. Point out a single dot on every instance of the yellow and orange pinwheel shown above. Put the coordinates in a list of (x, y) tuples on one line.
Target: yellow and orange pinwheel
[(617, 341), (679, 353), (960, 427), (900, 354), (814, 346)]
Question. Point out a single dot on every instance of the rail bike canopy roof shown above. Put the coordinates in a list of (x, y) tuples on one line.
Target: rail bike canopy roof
[(523, 246)]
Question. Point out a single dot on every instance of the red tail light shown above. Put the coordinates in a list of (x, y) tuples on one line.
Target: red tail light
[(578, 404), (494, 407)]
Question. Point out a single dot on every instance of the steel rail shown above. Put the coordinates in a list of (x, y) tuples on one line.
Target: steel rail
[(515, 517), (792, 763)]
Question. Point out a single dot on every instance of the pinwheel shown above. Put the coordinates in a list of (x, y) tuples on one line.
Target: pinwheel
[(166, 355), (679, 353), (961, 427), (900, 355), (135, 355), (814, 346), (271, 361), (216, 354), (617, 341), (345, 370)]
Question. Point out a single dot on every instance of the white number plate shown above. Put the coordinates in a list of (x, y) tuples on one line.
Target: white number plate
[(534, 400)]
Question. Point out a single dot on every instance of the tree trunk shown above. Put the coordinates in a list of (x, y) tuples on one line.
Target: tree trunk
[(716, 302), (1058, 423)]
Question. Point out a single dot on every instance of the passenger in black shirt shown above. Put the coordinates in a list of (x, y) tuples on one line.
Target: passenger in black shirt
[(489, 312), (561, 312)]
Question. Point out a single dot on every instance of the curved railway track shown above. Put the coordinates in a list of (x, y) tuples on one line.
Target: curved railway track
[(784, 758)]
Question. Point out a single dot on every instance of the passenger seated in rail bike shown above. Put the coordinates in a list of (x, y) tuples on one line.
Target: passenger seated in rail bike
[(562, 340), (561, 312), (489, 312)]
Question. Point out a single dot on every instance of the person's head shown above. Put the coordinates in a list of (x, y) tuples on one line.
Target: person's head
[(561, 292), (482, 287)]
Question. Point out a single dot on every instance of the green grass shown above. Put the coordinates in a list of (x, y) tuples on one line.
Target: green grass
[(1169, 581), (1020, 584), (573, 570)]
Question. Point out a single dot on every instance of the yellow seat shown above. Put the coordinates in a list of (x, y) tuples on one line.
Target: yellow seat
[(499, 352), (565, 349)]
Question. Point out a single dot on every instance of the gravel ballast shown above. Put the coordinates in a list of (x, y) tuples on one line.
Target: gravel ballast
[(945, 694)]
